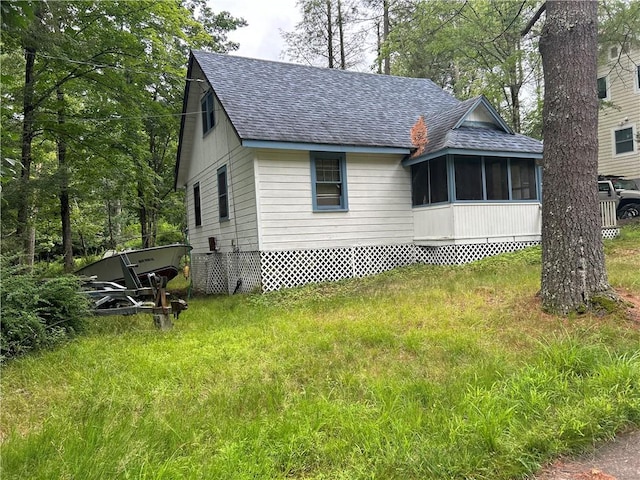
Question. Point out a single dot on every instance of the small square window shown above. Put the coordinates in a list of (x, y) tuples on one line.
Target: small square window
[(602, 88), (208, 115), (624, 140)]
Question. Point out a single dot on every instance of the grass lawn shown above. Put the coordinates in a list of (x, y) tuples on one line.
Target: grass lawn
[(425, 372)]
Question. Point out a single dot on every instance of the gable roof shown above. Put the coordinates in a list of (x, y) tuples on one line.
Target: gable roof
[(286, 102), (280, 103)]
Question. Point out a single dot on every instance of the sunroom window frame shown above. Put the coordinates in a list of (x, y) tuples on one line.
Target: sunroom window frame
[(451, 180)]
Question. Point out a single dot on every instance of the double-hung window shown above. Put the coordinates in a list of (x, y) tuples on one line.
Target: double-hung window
[(328, 181), (624, 140), (196, 204), (208, 115), (223, 197)]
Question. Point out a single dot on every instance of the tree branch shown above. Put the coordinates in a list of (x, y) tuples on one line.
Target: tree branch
[(533, 21)]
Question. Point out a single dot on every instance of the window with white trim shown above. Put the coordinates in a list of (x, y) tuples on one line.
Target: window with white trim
[(623, 139), (328, 181), (208, 114)]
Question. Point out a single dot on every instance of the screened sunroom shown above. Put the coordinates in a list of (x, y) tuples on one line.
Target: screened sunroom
[(475, 198)]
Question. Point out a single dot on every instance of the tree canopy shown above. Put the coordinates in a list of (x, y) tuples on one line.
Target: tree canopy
[(91, 102)]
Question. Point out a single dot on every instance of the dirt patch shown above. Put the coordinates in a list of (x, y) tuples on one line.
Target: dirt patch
[(633, 304), (615, 460)]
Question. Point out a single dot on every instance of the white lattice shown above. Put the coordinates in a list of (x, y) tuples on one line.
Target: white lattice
[(216, 273), (610, 233), (284, 269), (243, 271), (461, 254), (199, 272), (375, 259)]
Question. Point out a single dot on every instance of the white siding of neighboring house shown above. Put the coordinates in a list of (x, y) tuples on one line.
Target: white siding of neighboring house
[(462, 223), (219, 147), (379, 199), (624, 94)]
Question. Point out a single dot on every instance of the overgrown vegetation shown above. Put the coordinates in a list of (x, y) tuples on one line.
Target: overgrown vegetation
[(423, 372), (37, 312)]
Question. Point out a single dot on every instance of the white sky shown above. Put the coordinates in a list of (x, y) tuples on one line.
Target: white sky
[(265, 18)]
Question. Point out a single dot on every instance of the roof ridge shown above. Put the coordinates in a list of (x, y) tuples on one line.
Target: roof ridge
[(313, 67)]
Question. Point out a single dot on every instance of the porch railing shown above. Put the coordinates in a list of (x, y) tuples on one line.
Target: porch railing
[(608, 213)]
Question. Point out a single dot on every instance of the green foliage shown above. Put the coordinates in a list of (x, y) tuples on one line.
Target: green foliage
[(424, 372), (108, 83), (37, 312)]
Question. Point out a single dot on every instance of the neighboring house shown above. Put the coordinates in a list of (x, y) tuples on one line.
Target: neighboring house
[(298, 174), (619, 116)]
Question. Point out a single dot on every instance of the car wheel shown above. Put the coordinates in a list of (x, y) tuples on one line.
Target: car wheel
[(632, 210)]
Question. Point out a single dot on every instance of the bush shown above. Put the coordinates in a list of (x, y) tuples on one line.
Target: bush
[(38, 313)]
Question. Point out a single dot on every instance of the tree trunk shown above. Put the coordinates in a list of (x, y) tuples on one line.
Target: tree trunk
[(63, 195), (379, 48), (25, 208), (329, 34), (142, 217), (343, 63), (385, 33), (573, 268)]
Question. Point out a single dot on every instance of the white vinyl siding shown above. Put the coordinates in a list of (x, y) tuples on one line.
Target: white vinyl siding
[(379, 203), (624, 113), (208, 154), (477, 223)]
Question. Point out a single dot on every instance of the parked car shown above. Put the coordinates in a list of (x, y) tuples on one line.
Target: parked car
[(626, 193)]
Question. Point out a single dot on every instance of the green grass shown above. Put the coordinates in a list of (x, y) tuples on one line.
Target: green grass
[(423, 372)]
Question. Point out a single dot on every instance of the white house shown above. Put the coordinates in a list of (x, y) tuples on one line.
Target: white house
[(298, 174), (619, 115)]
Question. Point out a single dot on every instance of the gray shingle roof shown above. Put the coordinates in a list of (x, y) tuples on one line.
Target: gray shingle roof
[(283, 102)]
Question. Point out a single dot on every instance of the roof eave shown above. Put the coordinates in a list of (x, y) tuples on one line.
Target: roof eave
[(185, 100), (325, 147), (467, 151)]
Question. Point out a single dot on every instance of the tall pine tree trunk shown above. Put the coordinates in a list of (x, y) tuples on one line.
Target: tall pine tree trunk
[(26, 227), (573, 268), (385, 33), (63, 195)]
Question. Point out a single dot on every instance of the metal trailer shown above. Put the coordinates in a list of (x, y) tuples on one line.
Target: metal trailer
[(111, 298)]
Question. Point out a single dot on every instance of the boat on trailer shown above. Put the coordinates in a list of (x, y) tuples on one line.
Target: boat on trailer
[(126, 283), (162, 261)]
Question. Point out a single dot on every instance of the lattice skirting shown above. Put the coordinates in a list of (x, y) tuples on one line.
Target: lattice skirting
[(284, 269), (226, 272), (465, 253), (610, 233), (272, 270)]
